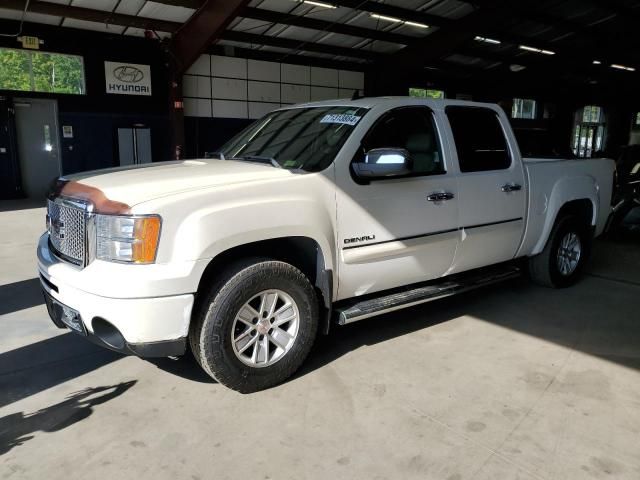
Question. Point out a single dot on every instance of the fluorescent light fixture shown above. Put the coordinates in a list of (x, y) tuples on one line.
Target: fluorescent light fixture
[(536, 50), (622, 67), (398, 20), (384, 17), (487, 40), (416, 24), (318, 4), (597, 62)]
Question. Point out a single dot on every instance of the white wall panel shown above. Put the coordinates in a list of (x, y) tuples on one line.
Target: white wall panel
[(228, 67), (259, 70), (295, 93), (295, 74), (323, 93), (201, 66), (197, 107), (257, 109), (264, 91), (229, 109), (350, 79), (326, 77), (229, 89), (196, 86)]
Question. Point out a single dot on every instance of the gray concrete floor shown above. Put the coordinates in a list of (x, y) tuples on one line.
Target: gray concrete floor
[(511, 382)]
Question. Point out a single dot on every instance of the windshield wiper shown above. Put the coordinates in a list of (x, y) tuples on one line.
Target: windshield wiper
[(259, 159)]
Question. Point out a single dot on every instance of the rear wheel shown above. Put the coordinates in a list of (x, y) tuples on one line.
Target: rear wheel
[(560, 263), (256, 326)]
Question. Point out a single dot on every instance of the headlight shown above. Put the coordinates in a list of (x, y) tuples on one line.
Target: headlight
[(127, 238)]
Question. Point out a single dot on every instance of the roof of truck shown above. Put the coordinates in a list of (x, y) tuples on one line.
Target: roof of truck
[(390, 102)]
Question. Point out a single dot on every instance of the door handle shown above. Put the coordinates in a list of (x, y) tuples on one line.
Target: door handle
[(440, 196), (511, 187)]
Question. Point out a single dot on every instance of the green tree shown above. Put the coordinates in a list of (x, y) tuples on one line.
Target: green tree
[(14, 70)]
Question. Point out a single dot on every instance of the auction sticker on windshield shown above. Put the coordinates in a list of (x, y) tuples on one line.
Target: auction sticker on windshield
[(343, 118)]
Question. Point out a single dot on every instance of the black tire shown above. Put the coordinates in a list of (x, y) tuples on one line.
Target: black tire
[(211, 332), (544, 269)]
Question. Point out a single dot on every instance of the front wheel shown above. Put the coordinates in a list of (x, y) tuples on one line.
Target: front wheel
[(560, 263), (256, 327)]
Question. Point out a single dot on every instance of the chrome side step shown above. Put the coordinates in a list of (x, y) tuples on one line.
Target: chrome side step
[(408, 298)]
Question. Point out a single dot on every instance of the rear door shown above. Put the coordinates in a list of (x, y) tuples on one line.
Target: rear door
[(491, 199)]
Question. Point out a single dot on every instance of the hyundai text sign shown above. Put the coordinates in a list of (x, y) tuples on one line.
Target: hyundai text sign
[(127, 78)]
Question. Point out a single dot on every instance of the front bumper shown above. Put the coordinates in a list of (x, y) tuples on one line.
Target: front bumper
[(147, 327)]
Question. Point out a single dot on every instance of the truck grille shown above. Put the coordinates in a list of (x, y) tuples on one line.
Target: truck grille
[(67, 230)]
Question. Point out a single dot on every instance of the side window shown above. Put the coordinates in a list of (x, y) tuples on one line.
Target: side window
[(479, 139), (411, 128)]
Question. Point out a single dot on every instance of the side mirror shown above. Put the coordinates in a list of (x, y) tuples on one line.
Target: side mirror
[(383, 163)]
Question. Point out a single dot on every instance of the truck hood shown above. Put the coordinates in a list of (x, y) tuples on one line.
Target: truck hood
[(141, 183)]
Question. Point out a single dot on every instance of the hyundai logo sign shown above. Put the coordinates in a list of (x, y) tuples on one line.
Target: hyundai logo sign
[(127, 78)]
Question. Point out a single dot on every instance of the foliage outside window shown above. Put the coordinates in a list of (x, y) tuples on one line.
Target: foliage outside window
[(591, 114), (33, 71), (637, 120), (426, 93), (524, 108)]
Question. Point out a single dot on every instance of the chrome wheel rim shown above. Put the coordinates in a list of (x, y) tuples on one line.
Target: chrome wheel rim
[(569, 253), (265, 328)]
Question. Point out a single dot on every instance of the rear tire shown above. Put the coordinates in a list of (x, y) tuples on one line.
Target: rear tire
[(256, 326), (561, 262)]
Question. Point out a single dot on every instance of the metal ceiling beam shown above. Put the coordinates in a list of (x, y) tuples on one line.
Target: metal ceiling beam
[(195, 4), (322, 25), (297, 45), (265, 55), (90, 15), (202, 30), (372, 6), (496, 13)]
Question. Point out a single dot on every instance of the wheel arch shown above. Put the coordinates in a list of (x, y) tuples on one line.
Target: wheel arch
[(302, 252), (583, 208)]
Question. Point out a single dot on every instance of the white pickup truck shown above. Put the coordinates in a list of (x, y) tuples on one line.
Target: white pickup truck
[(319, 213)]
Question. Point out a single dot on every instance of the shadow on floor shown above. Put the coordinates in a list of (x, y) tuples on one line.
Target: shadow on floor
[(33, 368), (20, 295), (185, 367), (23, 204), (18, 428)]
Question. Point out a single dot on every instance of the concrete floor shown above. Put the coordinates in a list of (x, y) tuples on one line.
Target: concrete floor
[(511, 382)]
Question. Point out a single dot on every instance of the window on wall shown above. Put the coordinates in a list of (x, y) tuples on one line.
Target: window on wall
[(524, 108), (425, 93), (589, 132), (636, 120), (591, 114), (34, 71)]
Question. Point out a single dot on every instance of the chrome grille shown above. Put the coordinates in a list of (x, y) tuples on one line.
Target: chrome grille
[(67, 229)]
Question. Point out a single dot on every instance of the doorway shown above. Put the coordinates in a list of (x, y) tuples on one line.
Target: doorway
[(38, 144), (134, 145)]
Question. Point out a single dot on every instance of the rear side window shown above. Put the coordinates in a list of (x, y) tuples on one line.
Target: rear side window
[(479, 139)]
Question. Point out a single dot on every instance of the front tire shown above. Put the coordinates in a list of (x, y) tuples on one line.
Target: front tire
[(561, 262), (256, 326)]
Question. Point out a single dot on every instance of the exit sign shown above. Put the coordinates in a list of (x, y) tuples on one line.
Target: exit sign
[(30, 42)]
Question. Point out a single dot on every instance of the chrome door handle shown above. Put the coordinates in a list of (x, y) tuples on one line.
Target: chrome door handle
[(511, 187), (440, 196)]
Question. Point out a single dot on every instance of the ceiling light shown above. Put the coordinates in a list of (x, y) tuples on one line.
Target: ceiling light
[(398, 20), (623, 67), (487, 40), (318, 4), (388, 19), (597, 62), (536, 50), (416, 24)]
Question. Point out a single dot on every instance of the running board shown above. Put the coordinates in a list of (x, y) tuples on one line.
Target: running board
[(408, 298)]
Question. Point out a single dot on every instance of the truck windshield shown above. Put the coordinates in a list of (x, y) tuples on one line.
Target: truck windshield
[(299, 138)]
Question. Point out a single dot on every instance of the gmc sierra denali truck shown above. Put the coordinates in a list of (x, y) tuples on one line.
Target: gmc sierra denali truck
[(320, 213)]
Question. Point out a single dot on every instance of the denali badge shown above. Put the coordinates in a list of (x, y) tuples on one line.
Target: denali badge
[(364, 238)]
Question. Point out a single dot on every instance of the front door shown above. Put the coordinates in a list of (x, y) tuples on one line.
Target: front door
[(398, 231), (492, 198), (38, 146)]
